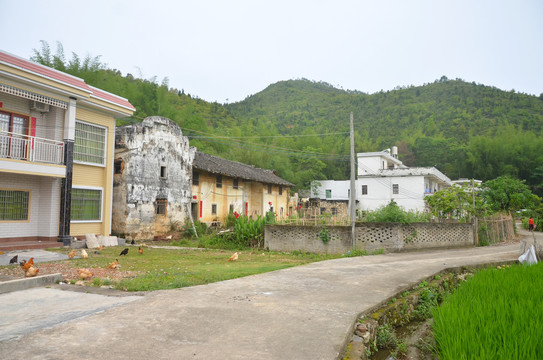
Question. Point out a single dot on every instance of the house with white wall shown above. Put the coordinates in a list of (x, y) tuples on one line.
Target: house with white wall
[(382, 177), (56, 154)]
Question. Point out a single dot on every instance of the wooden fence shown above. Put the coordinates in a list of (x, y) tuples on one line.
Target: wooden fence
[(495, 229)]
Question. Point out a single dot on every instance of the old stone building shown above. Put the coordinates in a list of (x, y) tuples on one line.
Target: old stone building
[(152, 180)]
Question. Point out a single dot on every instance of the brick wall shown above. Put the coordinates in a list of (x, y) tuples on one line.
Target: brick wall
[(369, 237)]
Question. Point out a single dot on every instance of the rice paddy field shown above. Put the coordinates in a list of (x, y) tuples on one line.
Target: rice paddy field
[(497, 314)]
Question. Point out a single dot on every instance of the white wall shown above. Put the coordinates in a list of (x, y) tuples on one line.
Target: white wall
[(44, 206), (340, 189), (410, 197), (369, 165)]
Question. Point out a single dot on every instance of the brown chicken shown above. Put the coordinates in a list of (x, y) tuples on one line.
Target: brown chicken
[(84, 274), (140, 250), (25, 265), (32, 271), (113, 265), (101, 247), (71, 254), (84, 254), (233, 257)]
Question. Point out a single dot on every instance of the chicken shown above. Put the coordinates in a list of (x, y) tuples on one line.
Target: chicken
[(32, 271), (132, 242), (14, 259), (169, 237), (140, 250), (101, 247), (84, 274), (113, 265), (25, 265), (84, 254), (124, 252), (233, 257), (71, 254)]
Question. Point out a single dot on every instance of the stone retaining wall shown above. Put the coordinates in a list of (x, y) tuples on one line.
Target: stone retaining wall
[(369, 237)]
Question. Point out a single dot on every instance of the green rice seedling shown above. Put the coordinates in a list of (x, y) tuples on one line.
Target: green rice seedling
[(497, 314)]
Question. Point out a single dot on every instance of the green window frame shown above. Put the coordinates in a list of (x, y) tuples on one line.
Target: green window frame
[(90, 143), (86, 204), (14, 205)]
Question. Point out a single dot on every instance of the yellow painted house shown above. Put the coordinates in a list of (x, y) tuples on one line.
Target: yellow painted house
[(220, 187), (56, 154)]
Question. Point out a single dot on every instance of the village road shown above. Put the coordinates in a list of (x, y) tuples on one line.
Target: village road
[(306, 312)]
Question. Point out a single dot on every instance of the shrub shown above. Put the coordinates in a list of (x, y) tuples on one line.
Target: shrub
[(394, 213), (386, 338), (201, 228)]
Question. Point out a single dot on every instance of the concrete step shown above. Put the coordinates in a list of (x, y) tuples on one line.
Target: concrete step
[(27, 245)]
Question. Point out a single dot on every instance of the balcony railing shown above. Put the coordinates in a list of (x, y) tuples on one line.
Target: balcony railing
[(31, 148)]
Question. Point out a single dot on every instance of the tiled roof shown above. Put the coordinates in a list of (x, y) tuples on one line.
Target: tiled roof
[(111, 98), (216, 165), (59, 76)]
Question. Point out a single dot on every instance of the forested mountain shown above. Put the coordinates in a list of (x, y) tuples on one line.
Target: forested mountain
[(300, 127)]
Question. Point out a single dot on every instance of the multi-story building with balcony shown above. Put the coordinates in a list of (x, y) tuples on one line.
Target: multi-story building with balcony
[(381, 178), (56, 153)]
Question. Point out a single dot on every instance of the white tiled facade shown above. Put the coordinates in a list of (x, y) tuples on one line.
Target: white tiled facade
[(44, 206)]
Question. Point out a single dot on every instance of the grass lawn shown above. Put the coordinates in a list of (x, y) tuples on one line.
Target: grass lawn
[(167, 269), (497, 314)]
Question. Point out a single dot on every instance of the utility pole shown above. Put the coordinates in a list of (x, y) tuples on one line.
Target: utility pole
[(352, 198), (474, 213)]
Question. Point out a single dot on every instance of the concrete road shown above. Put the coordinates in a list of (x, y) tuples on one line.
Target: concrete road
[(305, 312)]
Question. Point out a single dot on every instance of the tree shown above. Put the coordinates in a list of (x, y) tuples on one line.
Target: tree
[(455, 202), (508, 194)]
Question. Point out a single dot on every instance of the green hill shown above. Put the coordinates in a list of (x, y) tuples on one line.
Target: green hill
[(300, 127)]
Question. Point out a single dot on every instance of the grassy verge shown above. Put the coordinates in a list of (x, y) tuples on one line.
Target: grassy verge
[(167, 269), (495, 315)]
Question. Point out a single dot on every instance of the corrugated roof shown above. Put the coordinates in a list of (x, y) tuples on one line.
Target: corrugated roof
[(216, 165), (61, 77)]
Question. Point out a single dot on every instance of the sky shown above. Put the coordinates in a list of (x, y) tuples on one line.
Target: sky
[(225, 51)]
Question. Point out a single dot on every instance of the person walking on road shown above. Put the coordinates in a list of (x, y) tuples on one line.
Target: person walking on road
[(531, 224)]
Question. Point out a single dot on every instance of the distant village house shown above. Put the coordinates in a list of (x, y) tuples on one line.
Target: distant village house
[(381, 178), (220, 187)]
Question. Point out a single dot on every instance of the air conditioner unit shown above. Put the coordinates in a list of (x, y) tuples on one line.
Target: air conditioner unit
[(39, 106)]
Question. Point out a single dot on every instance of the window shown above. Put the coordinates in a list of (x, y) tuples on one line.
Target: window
[(323, 210), (364, 189), (13, 145), (14, 205), (118, 166), (195, 178), (280, 190), (334, 211), (161, 205), (231, 209), (90, 143), (86, 204), (236, 184), (213, 209), (328, 193), (219, 181), (395, 188), (269, 188), (163, 173)]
